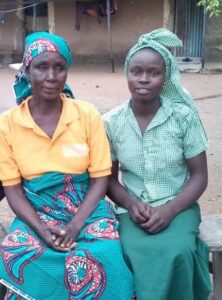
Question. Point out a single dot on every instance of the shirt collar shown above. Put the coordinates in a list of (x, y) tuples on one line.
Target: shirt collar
[(163, 113), (23, 116), (166, 106)]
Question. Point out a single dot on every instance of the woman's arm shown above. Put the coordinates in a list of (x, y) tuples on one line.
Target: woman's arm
[(2, 194), (25, 211), (195, 186), (97, 190), (21, 206), (139, 211)]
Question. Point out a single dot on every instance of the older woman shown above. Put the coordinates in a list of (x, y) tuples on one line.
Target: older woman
[(54, 163)]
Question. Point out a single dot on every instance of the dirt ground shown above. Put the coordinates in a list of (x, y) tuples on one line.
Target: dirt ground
[(96, 84)]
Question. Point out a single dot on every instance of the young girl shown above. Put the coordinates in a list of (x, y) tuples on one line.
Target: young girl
[(158, 142)]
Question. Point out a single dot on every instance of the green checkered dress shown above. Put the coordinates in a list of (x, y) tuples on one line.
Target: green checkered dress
[(153, 164), (172, 264)]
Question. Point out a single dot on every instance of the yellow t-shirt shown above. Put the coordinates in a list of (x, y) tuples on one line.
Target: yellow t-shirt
[(79, 143)]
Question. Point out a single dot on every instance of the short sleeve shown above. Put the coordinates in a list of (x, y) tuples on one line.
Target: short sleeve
[(100, 160), (9, 173), (195, 139), (110, 138)]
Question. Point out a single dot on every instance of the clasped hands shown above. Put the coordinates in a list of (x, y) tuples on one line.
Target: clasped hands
[(61, 239), (151, 219)]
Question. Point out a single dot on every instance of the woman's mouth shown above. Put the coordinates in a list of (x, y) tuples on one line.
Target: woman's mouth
[(50, 90)]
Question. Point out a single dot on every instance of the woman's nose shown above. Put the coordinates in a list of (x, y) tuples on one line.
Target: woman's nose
[(50, 74)]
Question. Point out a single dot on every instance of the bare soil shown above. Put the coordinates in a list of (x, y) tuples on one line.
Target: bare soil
[(96, 84)]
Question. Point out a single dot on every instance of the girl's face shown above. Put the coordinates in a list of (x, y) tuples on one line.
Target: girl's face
[(146, 74), (47, 74)]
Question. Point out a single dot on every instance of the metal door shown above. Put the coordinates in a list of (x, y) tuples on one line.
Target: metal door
[(188, 26)]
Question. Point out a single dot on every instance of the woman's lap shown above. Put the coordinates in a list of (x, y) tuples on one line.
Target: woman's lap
[(93, 269)]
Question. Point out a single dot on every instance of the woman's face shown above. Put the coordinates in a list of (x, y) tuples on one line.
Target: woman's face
[(47, 73), (146, 73)]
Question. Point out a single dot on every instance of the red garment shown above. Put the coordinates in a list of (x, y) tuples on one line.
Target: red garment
[(93, 8)]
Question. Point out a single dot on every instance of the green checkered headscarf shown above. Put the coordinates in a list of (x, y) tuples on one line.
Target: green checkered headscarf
[(159, 40), (36, 44)]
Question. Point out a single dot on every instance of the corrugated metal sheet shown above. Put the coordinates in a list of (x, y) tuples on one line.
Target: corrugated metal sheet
[(188, 25)]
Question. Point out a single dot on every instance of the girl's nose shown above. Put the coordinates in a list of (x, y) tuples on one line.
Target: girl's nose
[(144, 77)]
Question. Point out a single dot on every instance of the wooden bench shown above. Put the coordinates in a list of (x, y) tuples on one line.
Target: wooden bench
[(211, 233)]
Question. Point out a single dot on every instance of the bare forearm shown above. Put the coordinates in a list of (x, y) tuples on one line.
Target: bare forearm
[(195, 186), (190, 194), (118, 194), (2, 195), (97, 190), (21, 206)]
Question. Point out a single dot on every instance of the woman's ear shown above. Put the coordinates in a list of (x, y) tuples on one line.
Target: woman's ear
[(26, 71), (27, 74)]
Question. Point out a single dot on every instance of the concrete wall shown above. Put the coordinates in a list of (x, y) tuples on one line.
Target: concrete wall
[(213, 39), (133, 18), (11, 37)]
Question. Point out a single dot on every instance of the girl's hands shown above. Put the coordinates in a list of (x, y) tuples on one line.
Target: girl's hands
[(160, 218), (140, 212)]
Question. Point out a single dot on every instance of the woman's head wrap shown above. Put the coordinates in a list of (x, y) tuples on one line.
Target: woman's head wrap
[(36, 44), (159, 40)]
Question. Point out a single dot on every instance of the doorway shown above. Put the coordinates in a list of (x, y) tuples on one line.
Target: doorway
[(36, 18), (188, 26)]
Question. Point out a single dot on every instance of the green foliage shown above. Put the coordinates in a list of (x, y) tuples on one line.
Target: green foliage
[(212, 7)]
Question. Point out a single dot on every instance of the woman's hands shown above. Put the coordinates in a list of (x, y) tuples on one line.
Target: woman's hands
[(59, 239), (67, 240)]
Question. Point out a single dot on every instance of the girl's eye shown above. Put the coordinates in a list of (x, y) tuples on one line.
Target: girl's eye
[(135, 72), (154, 74)]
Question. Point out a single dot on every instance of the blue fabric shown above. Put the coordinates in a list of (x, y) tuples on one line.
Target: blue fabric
[(90, 271), (36, 44), (34, 48)]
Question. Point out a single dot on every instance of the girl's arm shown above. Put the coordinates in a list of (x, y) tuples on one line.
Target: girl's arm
[(25, 211), (139, 211), (194, 188)]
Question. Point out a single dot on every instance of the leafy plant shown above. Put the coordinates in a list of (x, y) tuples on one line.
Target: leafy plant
[(212, 7)]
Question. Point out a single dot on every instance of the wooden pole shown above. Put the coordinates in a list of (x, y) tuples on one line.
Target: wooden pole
[(34, 18), (51, 17), (109, 34)]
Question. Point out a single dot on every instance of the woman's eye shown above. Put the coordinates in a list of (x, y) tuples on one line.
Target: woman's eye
[(60, 68), (42, 67)]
